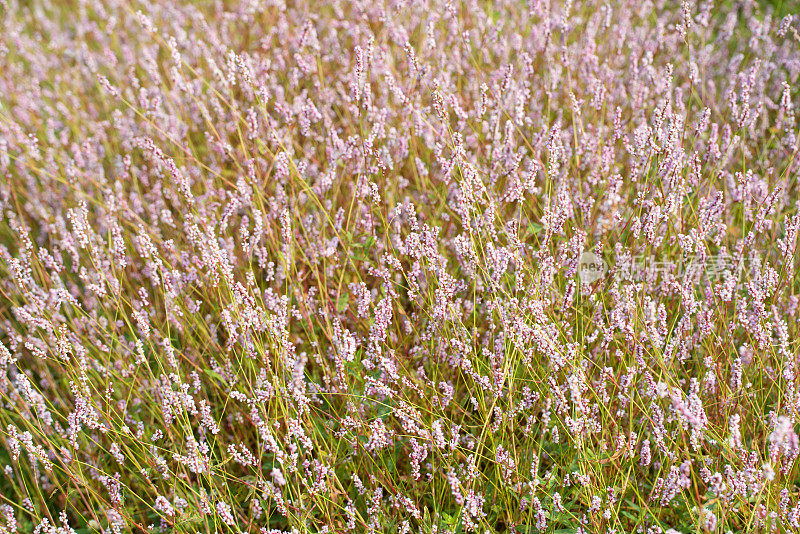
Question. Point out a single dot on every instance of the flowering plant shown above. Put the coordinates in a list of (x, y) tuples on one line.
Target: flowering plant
[(276, 267)]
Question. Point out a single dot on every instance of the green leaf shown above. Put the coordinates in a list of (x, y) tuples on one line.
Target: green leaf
[(342, 302), (369, 244)]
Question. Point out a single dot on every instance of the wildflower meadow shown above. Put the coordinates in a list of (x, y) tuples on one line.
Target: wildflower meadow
[(399, 266)]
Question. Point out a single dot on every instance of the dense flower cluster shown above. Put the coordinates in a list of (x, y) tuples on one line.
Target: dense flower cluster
[(399, 266)]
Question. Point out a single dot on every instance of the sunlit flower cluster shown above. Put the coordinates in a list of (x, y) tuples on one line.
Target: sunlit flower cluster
[(399, 266)]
